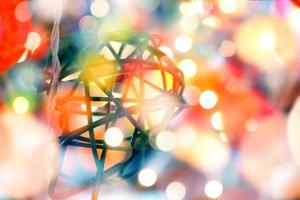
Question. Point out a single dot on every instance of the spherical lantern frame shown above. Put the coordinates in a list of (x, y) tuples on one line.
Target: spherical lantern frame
[(122, 93)]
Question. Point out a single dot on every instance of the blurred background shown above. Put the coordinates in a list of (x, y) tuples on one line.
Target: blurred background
[(239, 136)]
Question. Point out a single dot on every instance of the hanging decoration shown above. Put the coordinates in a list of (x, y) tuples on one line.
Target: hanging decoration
[(111, 101)]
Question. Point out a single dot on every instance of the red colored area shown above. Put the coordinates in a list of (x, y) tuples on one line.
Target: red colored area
[(296, 2), (13, 34)]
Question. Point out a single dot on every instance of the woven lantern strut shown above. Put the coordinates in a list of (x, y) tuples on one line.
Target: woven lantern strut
[(128, 83)]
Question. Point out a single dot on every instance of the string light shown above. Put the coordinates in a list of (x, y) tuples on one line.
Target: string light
[(187, 9), (199, 6), (147, 177), (99, 8), (212, 155), (88, 23), (175, 191), (208, 99), (113, 137), (183, 43), (228, 6), (22, 12), (188, 67), (266, 40), (293, 18), (227, 48), (189, 24), (202, 7), (217, 121), (33, 41), (211, 21), (20, 105), (166, 140), (270, 44), (213, 189)]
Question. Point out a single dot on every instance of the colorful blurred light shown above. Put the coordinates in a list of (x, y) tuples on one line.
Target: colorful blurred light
[(175, 191), (22, 11), (33, 41), (183, 43), (187, 9), (45, 10), (38, 42), (223, 137), (166, 140), (188, 67), (228, 6), (149, 6), (99, 8), (88, 23), (270, 44), (227, 48), (267, 40), (208, 99), (207, 153), (212, 155), (217, 121), (296, 2), (21, 105), (27, 152), (189, 24), (113, 136), (213, 189), (233, 7), (202, 7), (293, 17), (13, 32), (266, 162), (211, 21), (147, 177)]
